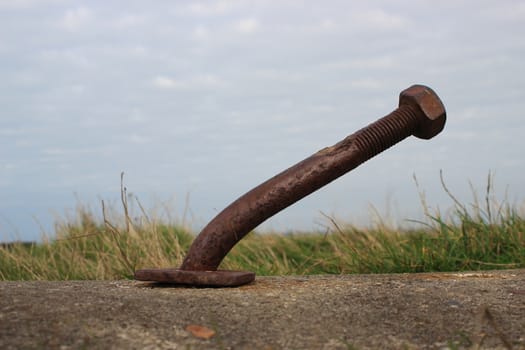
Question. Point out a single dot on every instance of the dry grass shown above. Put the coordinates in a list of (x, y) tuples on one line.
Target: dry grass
[(484, 235)]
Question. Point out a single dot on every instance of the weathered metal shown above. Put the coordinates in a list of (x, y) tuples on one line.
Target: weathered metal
[(420, 113), (223, 278)]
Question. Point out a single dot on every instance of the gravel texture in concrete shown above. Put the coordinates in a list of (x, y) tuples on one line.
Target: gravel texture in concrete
[(408, 311)]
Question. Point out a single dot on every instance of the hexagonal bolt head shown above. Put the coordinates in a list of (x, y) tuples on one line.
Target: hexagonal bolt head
[(428, 102)]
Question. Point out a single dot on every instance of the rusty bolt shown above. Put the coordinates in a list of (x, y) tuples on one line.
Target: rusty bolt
[(432, 108), (420, 113)]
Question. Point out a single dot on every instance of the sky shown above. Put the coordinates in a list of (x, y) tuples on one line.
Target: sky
[(198, 102)]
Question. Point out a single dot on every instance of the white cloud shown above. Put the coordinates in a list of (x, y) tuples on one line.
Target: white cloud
[(283, 75), (139, 50), (137, 116), (76, 18), (367, 84), (514, 11), (247, 25), (208, 81), (18, 4), (23, 143), (27, 78), (381, 62), (165, 82), (201, 33), (463, 136), (10, 132), (138, 139), (55, 151), (379, 19), (77, 89), (327, 24), (68, 56), (129, 20), (212, 9), (324, 109), (197, 82)]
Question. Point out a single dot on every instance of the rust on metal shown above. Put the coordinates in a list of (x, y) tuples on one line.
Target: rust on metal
[(219, 278), (420, 113)]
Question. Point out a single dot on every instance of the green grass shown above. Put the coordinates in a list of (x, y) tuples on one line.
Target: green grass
[(481, 235)]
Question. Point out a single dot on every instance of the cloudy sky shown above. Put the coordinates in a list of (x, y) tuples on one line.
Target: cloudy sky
[(208, 99)]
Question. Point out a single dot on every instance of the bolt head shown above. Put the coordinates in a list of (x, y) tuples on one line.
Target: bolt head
[(428, 102)]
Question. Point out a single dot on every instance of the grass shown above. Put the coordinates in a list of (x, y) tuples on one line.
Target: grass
[(482, 235)]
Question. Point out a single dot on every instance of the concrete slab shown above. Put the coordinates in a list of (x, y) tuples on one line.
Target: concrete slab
[(410, 311)]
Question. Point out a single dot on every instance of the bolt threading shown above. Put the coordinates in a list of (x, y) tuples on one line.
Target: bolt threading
[(387, 131)]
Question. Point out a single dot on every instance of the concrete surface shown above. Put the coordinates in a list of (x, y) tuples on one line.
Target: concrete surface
[(405, 311)]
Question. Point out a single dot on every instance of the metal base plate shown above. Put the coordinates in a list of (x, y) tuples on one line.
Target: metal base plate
[(219, 278)]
